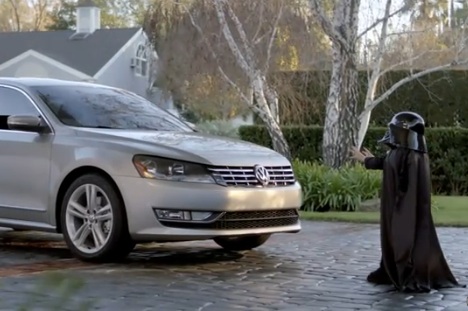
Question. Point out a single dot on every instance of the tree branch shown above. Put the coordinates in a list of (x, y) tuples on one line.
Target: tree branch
[(242, 95), (455, 62), (380, 20), (16, 14), (408, 32), (383, 37), (327, 26), (408, 79), (242, 62), (242, 34), (272, 38), (406, 61), (260, 22)]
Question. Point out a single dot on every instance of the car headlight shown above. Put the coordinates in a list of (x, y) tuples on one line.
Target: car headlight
[(171, 170)]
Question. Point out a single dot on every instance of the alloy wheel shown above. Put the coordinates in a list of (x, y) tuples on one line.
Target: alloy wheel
[(89, 218)]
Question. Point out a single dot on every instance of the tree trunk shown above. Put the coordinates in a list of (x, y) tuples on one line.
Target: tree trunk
[(278, 140), (265, 100), (349, 118), (274, 108), (364, 118), (341, 122), (340, 131), (364, 125)]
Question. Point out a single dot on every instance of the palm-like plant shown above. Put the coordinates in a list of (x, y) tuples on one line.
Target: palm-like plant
[(438, 12), (430, 11)]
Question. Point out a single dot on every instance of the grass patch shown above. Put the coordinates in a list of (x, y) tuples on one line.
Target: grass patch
[(452, 211)]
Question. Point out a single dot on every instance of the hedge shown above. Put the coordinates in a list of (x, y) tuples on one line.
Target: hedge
[(440, 97), (448, 151), (325, 189)]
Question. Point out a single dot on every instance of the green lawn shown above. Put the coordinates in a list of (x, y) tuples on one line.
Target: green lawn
[(451, 212)]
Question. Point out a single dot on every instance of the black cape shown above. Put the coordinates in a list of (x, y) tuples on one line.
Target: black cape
[(412, 259)]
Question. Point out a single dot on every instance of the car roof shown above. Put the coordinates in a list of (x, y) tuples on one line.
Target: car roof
[(28, 82)]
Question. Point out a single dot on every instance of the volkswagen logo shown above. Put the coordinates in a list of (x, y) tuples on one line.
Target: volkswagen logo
[(262, 175)]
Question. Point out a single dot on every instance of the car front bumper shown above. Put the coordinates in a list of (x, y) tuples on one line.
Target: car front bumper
[(143, 196)]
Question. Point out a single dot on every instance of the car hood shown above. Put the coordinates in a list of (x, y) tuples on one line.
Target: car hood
[(189, 146)]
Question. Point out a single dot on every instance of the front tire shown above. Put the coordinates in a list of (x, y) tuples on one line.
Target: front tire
[(94, 221), (242, 243)]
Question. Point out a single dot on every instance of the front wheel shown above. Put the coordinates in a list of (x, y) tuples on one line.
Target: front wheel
[(94, 221), (242, 243)]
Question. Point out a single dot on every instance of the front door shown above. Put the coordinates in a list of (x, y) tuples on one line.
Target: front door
[(24, 163)]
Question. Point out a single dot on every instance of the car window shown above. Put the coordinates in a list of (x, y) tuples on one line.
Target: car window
[(13, 102), (102, 107)]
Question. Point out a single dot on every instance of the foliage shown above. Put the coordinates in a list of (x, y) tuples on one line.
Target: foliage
[(210, 98), (186, 64), (60, 290), (327, 189), (219, 128), (24, 15), (439, 97), (448, 151), (114, 14)]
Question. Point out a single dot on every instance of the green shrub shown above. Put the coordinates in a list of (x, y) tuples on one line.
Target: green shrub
[(219, 128), (448, 150), (325, 189)]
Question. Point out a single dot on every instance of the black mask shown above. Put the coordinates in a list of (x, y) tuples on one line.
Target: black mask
[(406, 130)]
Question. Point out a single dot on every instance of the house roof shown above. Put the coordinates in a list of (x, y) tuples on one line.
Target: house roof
[(86, 3), (87, 55)]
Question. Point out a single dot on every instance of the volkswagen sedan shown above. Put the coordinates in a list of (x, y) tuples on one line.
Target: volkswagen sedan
[(109, 169)]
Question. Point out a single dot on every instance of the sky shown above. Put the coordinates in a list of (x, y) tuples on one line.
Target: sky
[(371, 10)]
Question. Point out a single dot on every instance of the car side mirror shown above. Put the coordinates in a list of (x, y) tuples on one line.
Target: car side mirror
[(28, 123)]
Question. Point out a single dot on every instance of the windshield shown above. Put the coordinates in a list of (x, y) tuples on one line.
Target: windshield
[(101, 107)]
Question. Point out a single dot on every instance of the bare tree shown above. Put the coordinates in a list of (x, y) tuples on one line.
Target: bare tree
[(436, 59), (344, 124), (40, 9), (25, 15), (223, 57), (341, 124), (258, 94), (15, 9)]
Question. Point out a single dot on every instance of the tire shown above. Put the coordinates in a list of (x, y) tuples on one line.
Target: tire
[(242, 243), (108, 227)]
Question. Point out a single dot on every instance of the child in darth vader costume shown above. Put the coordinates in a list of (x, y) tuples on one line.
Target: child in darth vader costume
[(412, 259)]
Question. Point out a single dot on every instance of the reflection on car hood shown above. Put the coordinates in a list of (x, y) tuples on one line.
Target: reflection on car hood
[(192, 146)]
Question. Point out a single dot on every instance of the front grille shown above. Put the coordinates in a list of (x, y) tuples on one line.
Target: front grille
[(243, 220), (242, 176)]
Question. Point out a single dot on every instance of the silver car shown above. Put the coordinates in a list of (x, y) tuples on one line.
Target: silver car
[(109, 169)]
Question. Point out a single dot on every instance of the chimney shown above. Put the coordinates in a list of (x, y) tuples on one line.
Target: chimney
[(88, 17)]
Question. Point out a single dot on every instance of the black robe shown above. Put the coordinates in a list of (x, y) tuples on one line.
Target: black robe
[(412, 259)]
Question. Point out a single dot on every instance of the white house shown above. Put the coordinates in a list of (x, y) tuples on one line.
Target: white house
[(119, 57)]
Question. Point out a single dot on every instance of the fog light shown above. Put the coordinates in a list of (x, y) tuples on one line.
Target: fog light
[(172, 214), (201, 215)]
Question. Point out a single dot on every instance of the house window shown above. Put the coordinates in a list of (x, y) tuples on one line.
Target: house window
[(141, 60)]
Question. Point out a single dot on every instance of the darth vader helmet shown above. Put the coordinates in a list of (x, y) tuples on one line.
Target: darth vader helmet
[(387, 141), (406, 130)]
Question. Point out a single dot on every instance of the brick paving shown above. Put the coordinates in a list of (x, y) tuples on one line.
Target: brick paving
[(321, 268)]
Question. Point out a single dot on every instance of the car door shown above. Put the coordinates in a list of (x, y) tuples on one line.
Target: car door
[(24, 162)]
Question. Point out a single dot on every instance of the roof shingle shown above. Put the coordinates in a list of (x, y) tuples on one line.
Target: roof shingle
[(87, 55)]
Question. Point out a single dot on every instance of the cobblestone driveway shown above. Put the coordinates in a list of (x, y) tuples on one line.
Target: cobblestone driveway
[(322, 268)]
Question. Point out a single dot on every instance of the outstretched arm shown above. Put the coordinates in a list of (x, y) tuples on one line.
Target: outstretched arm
[(367, 158), (374, 163)]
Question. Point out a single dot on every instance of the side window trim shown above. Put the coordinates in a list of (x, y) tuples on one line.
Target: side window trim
[(32, 102)]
